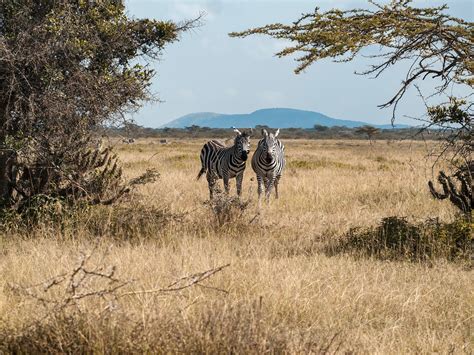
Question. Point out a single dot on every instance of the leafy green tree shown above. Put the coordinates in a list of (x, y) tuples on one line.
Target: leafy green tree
[(68, 68)]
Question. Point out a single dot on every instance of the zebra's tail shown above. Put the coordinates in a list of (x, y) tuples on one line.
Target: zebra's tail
[(201, 172)]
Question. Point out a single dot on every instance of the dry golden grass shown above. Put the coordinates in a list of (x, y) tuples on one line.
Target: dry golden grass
[(284, 293)]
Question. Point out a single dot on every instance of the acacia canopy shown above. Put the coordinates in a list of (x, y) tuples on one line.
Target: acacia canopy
[(438, 45)]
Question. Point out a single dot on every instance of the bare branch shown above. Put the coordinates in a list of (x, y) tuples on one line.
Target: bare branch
[(184, 283)]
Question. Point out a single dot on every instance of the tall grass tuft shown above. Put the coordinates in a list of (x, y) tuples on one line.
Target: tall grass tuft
[(123, 221)]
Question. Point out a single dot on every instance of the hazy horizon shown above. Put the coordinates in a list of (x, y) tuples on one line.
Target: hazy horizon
[(207, 71), (299, 119)]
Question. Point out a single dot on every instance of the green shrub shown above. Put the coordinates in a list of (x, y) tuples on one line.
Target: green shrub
[(397, 239)]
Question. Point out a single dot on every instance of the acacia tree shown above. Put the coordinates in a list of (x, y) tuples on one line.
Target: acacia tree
[(437, 46), (369, 131), (68, 68)]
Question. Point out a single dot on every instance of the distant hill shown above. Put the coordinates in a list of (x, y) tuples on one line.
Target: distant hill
[(272, 117)]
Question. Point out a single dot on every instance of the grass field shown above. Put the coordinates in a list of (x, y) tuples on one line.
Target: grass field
[(282, 291)]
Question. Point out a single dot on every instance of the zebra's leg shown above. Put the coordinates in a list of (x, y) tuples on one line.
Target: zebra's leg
[(238, 180), (226, 184), (260, 187), (277, 180), (211, 181), (269, 189)]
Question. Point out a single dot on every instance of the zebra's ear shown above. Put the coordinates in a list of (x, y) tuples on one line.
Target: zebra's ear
[(264, 132), (236, 130), (277, 132)]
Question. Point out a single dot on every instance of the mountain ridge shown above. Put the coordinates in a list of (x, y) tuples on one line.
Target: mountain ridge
[(277, 117)]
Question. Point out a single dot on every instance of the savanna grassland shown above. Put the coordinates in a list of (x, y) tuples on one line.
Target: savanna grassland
[(284, 289)]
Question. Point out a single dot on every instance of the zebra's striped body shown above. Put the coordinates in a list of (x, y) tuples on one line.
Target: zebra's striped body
[(221, 162), (268, 162)]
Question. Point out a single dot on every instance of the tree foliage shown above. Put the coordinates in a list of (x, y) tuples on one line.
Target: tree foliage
[(438, 45), (454, 119), (369, 131), (320, 128), (67, 68)]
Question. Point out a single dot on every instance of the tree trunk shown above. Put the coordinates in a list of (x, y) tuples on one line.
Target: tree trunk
[(7, 175)]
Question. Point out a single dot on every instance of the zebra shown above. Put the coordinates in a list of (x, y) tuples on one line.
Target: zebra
[(221, 162), (268, 162)]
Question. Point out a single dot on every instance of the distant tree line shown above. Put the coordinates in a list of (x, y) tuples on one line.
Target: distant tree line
[(317, 132)]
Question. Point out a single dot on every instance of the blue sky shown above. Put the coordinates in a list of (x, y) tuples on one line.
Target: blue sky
[(207, 71)]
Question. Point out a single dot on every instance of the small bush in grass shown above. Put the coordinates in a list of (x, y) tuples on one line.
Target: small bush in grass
[(226, 209), (396, 238)]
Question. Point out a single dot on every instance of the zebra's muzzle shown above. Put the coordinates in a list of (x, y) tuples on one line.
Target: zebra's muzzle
[(244, 155)]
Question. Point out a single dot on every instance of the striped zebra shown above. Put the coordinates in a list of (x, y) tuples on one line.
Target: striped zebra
[(221, 162), (268, 162)]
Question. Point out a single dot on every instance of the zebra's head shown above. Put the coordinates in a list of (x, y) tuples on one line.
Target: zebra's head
[(269, 144), (242, 143)]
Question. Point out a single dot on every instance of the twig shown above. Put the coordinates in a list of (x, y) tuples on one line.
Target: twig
[(187, 281)]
